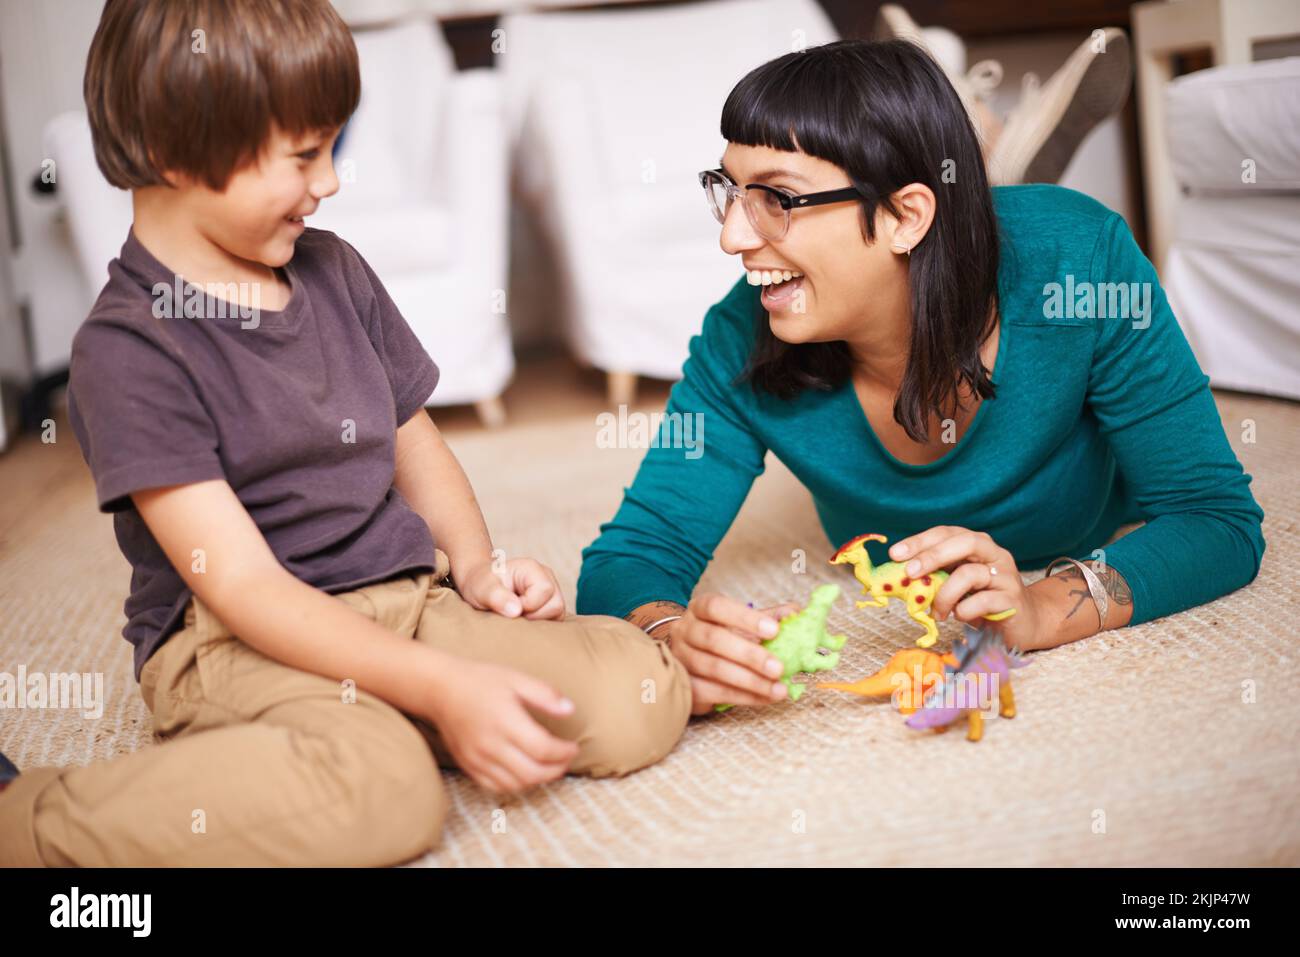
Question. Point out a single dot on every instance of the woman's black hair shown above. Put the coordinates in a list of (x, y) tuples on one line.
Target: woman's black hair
[(885, 114)]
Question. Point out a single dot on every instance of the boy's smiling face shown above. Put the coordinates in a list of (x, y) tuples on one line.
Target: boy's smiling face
[(259, 215)]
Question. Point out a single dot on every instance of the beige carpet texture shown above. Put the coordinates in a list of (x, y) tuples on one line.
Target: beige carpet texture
[(1173, 743)]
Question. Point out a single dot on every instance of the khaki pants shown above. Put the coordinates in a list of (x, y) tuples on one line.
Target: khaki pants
[(263, 764)]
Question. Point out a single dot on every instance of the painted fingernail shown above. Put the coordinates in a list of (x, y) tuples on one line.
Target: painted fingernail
[(768, 626)]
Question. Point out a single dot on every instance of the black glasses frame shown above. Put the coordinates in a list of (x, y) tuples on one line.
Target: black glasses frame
[(787, 201)]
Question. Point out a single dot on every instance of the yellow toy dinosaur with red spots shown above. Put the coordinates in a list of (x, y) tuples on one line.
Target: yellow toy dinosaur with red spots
[(883, 582)]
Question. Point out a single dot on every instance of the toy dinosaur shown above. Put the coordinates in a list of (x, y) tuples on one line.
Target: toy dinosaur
[(906, 678), (883, 582), (984, 665), (801, 636)]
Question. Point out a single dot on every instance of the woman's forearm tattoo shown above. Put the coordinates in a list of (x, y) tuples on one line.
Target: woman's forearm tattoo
[(1111, 580)]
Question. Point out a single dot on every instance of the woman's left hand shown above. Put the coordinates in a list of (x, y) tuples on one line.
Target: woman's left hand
[(985, 581)]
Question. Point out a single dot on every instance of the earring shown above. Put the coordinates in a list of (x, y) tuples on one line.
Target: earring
[(903, 249)]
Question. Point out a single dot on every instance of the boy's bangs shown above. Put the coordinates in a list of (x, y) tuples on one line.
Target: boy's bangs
[(312, 82), (195, 87)]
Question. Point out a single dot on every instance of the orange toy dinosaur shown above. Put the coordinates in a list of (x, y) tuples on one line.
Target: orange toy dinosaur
[(883, 582), (923, 669)]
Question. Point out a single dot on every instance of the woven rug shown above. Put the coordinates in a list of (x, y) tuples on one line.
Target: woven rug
[(1171, 743)]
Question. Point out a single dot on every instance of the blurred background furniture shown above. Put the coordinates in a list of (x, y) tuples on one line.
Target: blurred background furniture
[(1232, 265), (97, 215), (1231, 32), (1221, 161)]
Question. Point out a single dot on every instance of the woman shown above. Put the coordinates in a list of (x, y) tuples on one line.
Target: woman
[(989, 378)]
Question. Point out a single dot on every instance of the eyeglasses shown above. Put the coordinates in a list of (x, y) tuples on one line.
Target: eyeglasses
[(766, 207)]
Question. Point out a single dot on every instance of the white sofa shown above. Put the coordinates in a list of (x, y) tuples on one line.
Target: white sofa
[(1232, 272), (611, 114)]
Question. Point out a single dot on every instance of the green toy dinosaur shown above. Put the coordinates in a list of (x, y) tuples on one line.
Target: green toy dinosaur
[(801, 636)]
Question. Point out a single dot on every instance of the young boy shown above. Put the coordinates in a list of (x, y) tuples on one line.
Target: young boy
[(251, 405)]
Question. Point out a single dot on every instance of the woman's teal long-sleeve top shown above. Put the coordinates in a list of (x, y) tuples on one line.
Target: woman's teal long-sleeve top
[(1101, 418)]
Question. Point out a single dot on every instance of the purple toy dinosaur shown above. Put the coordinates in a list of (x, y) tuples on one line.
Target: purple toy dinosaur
[(984, 665)]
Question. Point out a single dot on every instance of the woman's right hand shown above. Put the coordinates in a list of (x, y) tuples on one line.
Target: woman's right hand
[(718, 641), (482, 711)]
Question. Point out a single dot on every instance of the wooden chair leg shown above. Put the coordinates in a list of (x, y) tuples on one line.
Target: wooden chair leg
[(621, 388), (491, 412)]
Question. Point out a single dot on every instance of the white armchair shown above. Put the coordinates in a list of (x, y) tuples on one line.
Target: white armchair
[(611, 114), (97, 215)]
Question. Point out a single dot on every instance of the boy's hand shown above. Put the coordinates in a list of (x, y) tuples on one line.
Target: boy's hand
[(523, 586), (481, 712)]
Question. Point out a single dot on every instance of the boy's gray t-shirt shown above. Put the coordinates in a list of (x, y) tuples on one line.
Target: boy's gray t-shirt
[(296, 409)]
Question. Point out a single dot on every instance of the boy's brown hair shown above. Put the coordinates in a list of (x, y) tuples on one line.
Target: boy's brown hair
[(194, 86)]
